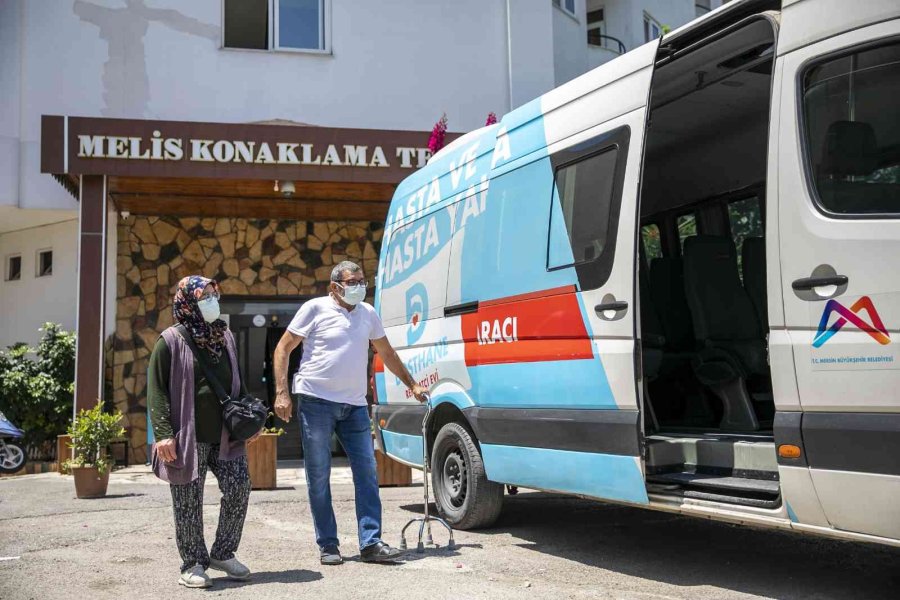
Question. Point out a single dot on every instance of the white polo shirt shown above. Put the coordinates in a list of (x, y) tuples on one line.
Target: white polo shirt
[(335, 349)]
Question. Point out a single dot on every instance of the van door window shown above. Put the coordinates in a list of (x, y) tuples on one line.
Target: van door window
[(852, 132), (745, 219), (585, 203), (687, 227), (652, 242), (583, 191)]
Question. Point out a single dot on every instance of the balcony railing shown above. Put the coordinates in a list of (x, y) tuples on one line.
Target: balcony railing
[(607, 42)]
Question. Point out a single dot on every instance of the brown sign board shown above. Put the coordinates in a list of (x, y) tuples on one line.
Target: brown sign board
[(139, 148)]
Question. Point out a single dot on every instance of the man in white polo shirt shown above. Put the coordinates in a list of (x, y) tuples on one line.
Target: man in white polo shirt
[(331, 387)]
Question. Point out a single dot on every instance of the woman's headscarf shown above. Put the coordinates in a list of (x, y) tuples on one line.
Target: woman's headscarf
[(206, 335)]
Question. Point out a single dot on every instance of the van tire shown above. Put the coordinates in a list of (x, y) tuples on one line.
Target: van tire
[(463, 495)]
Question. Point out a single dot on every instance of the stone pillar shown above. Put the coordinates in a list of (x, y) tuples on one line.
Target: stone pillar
[(92, 217)]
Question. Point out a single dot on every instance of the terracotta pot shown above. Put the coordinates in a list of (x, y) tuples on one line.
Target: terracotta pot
[(89, 483), (262, 459)]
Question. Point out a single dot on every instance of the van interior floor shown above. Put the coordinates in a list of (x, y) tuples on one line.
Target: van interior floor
[(732, 468)]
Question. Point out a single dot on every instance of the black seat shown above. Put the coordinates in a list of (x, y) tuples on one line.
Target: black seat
[(726, 324), (850, 150), (652, 338), (723, 313), (753, 266), (667, 290), (684, 402)]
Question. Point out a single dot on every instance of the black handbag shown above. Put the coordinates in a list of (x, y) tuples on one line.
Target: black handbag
[(244, 417)]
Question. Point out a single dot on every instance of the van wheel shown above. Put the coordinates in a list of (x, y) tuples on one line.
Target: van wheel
[(462, 493)]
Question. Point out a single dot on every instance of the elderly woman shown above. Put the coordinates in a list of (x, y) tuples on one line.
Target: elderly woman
[(190, 437)]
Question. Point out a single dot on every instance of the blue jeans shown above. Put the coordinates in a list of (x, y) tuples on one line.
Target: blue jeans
[(319, 420)]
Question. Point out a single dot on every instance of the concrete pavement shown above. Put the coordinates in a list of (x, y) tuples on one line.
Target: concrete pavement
[(545, 546)]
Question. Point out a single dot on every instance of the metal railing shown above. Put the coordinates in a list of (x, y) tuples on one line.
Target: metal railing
[(594, 38)]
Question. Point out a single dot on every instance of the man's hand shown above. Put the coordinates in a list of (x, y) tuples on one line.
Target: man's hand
[(166, 450), (283, 406), (419, 392)]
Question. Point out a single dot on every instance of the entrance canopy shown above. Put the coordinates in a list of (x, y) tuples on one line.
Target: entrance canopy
[(216, 169)]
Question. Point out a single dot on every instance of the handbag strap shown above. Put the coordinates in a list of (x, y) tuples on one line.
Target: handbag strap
[(214, 383)]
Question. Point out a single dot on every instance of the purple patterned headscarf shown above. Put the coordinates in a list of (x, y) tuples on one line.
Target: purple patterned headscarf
[(206, 335)]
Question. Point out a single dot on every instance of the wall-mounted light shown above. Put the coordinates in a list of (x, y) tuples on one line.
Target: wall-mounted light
[(125, 215), (287, 188)]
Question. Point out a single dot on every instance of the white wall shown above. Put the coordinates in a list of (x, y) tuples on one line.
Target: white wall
[(569, 43), (10, 72), (394, 65), (671, 13), (27, 304), (530, 49)]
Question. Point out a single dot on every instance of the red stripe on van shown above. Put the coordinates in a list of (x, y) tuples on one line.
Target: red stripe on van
[(540, 328)]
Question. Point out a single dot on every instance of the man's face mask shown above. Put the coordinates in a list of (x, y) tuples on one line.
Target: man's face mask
[(353, 293)]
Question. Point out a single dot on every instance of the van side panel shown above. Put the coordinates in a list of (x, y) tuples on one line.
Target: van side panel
[(511, 344)]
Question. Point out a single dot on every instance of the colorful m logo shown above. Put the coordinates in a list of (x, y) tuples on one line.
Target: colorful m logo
[(877, 329)]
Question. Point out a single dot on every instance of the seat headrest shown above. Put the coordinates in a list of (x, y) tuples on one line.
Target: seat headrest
[(850, 149), (715, 246)]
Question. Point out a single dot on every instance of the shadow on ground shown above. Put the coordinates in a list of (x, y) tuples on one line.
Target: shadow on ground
[(687, 551), (258, 578)]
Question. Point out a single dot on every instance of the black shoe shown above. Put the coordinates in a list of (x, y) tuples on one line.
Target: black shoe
[(330, 555), (379, 552)]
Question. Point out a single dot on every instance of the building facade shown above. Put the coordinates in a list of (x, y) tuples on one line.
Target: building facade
[(318, 68)]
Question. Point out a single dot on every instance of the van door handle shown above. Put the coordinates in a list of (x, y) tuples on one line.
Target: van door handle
[(461, 309), (617, 306), (808, 283)]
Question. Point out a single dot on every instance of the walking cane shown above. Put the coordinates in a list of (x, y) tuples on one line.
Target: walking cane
[(425, 522)]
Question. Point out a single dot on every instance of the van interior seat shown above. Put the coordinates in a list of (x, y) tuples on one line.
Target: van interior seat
[(652, 338), (753, 266), (850, 149), (667, 290), (723, 314), (725, 322)]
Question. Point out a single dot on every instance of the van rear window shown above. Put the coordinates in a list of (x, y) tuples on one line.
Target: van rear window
[(853, 133)]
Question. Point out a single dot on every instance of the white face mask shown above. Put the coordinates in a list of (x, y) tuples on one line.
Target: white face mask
[(353, 294), (209, 308)]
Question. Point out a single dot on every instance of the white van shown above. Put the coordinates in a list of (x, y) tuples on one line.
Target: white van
[(672, 282)]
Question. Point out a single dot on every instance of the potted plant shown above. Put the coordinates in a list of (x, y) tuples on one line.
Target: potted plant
[(91, 432), (262, 458)]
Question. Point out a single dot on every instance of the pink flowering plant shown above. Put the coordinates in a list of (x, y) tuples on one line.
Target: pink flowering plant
[(436, 142)]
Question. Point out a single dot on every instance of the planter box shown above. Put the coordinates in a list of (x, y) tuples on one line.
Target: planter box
[(63, 451), (391, 472), (262, 457)]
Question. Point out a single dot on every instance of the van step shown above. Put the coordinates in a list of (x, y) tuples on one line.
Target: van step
[(716, 484), (755, 502)]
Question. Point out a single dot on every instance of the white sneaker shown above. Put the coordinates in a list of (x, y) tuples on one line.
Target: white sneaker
[(232, 567), (195, 577)]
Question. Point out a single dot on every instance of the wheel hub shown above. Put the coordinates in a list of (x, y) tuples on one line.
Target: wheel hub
[(454, 478)]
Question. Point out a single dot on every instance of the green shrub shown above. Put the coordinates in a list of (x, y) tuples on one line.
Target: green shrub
[(91, 432), (37, 386)]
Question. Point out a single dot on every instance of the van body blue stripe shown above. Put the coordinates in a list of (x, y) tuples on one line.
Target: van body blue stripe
[(597, 475), (545, 384), (407, 448)]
